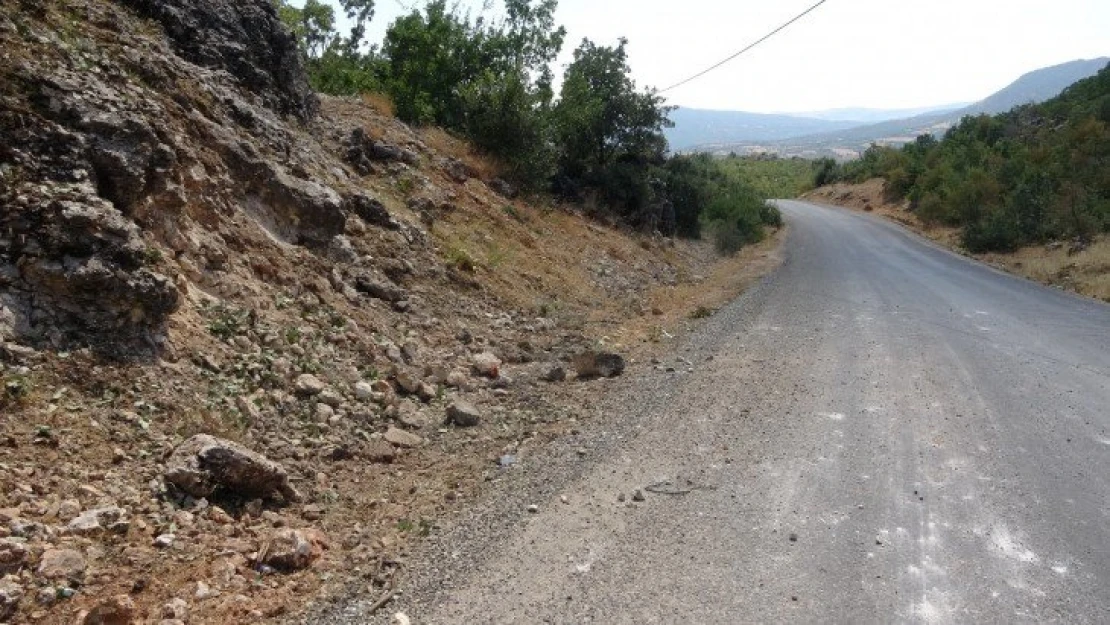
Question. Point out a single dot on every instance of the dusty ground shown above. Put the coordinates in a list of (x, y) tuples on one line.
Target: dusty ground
[(1086, 272)]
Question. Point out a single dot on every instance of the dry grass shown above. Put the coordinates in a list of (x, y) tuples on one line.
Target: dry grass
[(443, 142), (381, 103), (1086, 272)]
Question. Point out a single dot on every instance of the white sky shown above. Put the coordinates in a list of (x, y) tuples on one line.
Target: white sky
[(869, 53)]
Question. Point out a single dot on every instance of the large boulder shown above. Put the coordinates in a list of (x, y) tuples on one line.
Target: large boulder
[(204, 465)]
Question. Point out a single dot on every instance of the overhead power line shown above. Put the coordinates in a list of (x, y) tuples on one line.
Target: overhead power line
[(761, 40)]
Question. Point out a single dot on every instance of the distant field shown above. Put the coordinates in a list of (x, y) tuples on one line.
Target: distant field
[(774, 177)]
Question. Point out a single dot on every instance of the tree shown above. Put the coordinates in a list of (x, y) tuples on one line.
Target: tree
[(610, 134)]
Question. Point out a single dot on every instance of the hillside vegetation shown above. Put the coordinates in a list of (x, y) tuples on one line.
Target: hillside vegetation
[(598, 141), (1035, 174)]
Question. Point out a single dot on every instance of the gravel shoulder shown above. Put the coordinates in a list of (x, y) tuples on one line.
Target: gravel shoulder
[(878, 431)]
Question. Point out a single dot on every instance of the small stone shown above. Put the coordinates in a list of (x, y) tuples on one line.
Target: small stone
[(10, 595), (622, 498), (293, 550), (793, 538), (308, 385), (554, 374), (164, 541), (323, 412), (486, 364), (533, 509), (456, 379), (599, 364), (69, 509), (204, 591), (110, 519), (408, 382), (403, 439), (66, 564), (363, 391), (13, 555), (330, 397), (176, 608), (463, 414), (506, 461), (312, 512), (379, 451), (119, 610), (638, 496)]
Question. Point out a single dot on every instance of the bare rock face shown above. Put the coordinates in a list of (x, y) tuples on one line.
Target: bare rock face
[(243, 37), (204, 464)]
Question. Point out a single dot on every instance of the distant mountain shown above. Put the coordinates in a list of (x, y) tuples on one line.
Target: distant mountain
[(870, 116), (1037, 86), (846, 142), (700, 126)]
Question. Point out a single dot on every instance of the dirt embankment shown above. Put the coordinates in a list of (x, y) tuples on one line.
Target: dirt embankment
[(196, 244), (1080, 269)]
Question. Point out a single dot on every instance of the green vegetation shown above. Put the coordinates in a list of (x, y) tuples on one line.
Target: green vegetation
[(598, 142), (772, 176), (1037, 173)]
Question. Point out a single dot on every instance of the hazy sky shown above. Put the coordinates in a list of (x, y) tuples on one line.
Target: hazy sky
[(871, 53)]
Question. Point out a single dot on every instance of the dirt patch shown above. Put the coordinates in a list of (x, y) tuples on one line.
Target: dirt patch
[(1080, 269)]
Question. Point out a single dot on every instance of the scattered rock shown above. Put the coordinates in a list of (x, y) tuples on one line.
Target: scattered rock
[(408, 382), (176, 608), (463, 414), (364, 391), (308, 385), (119, 610), (554, 374), (598, 364), (403, 439), (110, 519), (486, 364), (10, 595), (638, 496), (62, 564), (13, 555), (293, 550), (330, 397), (204, 464), (205, 591), (379, 451), (164, 541)]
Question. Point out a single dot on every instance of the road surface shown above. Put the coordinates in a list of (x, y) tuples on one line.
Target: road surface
[(880, 432)]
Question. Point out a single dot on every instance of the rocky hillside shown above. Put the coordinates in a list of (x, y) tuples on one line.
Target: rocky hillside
[(253, 341)]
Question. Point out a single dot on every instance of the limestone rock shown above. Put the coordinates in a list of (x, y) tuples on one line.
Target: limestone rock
[(308, 385), (99, 520), (463, 414), (486, 364), (13, 555), (292, 550), (205, 464), (403, 439), (62, 564)]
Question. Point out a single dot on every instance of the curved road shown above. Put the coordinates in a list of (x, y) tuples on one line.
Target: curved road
[(882, 431)]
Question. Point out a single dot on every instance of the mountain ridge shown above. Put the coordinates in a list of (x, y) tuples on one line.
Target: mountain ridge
[(1034, 86)]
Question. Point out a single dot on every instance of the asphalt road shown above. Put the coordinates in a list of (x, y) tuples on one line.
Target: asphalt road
[(880, 432)]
